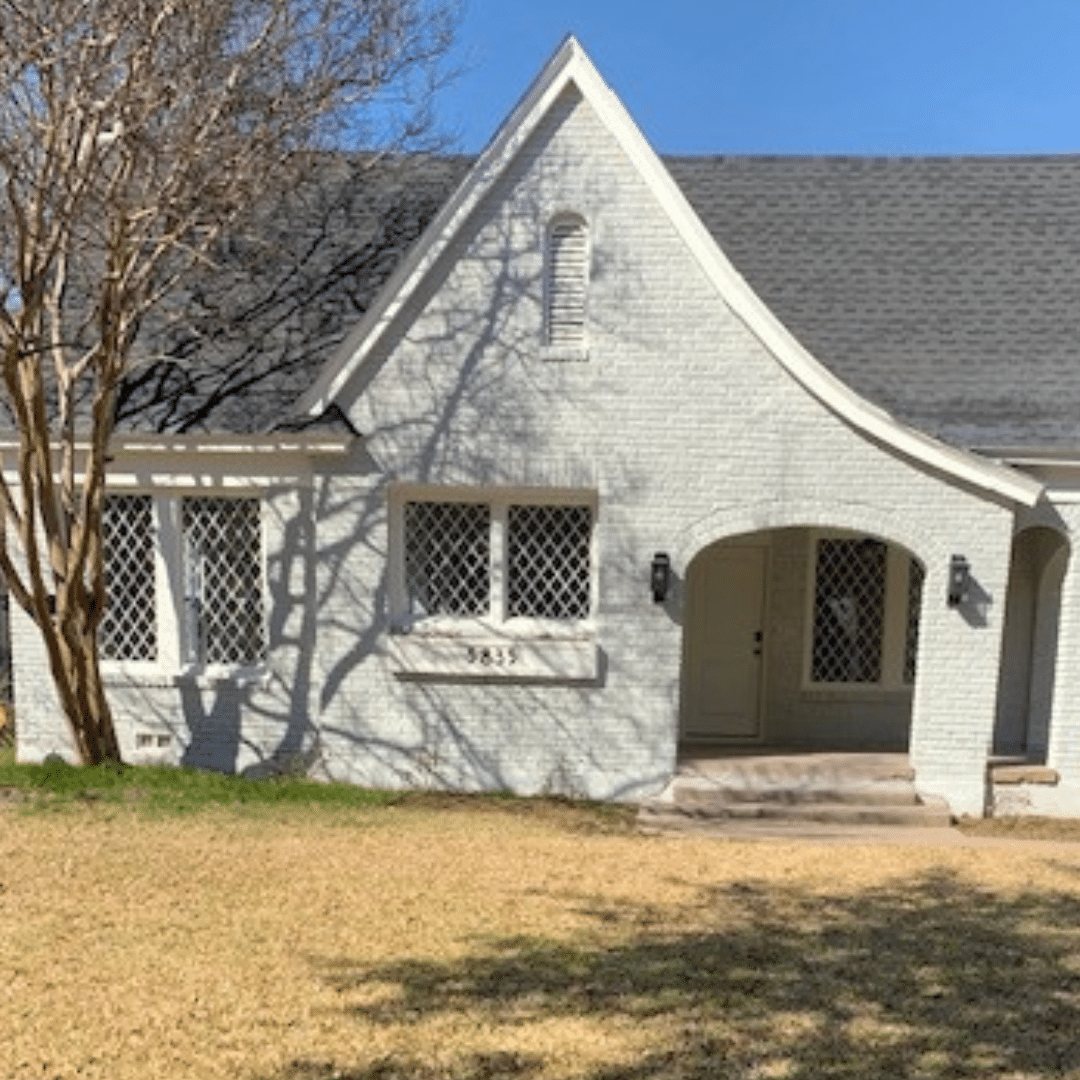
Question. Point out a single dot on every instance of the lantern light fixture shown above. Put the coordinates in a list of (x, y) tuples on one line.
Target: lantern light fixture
[(959, 580), (660, 576)]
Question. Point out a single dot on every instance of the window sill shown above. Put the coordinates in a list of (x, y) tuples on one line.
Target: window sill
[(506, 631), (564, 353), (202, 678), (498, 656), (827, 691)]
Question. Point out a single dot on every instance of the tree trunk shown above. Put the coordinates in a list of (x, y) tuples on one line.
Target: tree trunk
[(73, 660)]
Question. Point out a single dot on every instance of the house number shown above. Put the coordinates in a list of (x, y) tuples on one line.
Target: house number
[(491, 655)]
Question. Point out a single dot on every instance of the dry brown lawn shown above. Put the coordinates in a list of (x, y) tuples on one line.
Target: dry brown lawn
[(418, 943)]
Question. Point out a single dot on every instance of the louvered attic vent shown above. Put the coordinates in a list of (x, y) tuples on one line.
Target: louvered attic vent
[(567, 283)]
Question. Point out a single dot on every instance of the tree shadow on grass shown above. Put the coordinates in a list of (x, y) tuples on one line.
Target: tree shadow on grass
[(498, 1066), (931, 978)]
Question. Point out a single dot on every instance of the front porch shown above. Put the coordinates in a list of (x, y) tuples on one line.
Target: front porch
[(812, 787), (800, 638)]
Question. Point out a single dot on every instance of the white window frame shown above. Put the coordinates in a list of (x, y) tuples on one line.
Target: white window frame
[(497, 620), (894, 623), (174, 647)]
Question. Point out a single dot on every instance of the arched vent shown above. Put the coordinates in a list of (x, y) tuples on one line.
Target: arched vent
[(567, 283)]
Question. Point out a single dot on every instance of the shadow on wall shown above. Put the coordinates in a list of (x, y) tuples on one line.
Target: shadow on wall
[(469, 401), (930, 977)]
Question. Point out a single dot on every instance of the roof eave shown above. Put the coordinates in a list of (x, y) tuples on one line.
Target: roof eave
[(307, 443)]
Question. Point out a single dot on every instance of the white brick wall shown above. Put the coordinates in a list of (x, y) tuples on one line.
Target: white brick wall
[(692, 431), (687, 430)]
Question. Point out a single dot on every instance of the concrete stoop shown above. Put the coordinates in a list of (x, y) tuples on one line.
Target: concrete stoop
[(827, 789)]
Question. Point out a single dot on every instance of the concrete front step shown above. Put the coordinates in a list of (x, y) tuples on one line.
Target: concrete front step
[(795, 769), (698, 795), (660, 816), (831, 789)]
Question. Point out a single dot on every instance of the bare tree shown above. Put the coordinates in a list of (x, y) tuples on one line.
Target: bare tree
[(134, 134)]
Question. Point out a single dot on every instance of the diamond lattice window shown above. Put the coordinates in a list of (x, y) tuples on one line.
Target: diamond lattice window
[(448, 558), (223, 567), (567, 283), (849, 611), (916, 574), (129, 626), (548, 561)]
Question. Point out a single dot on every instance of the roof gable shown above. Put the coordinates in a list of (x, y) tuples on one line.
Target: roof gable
[(570, 67)]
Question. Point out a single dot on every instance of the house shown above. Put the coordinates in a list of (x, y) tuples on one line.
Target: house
[(629, 455)]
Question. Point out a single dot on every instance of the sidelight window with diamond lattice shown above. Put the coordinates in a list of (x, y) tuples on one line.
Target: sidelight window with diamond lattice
[(916, 574), (849, 611), (223, 580), (867, 597), (129, 625)]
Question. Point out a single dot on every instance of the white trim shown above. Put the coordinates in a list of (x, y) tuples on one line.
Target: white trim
[(570, 65), (333, 445), (174, 646), (149, 443), (200, 462)]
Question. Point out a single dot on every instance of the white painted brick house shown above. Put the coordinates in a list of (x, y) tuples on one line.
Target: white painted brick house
[(597, 368)]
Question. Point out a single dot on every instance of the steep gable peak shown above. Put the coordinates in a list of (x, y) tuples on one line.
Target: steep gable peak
[(570, 66)]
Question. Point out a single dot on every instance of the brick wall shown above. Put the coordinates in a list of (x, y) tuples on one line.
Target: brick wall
[(684, 428), (690, 432)]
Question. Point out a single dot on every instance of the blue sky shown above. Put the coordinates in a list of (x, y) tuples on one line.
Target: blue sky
[(795, 76)]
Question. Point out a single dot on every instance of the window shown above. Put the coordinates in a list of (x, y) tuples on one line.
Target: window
[(223, 580), (202, 601), (849, 611), (865, 622), (448, 558), (566, 284), (129, 625), (548, 574), (499, 559), (911, 630)]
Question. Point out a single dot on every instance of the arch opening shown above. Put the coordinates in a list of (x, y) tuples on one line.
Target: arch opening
[(800, 638), (1029, 644)]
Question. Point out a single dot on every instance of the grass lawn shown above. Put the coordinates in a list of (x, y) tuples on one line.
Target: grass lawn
[(425, 938)]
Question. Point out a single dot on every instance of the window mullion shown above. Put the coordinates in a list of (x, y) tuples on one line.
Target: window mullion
[(499, 555), (168, 572)]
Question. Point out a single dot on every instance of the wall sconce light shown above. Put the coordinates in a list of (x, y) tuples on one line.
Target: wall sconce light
[(959, 580), (660, 576)]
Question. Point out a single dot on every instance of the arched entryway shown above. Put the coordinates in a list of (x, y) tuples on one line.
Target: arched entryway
[(800, 638), (1029, 643)]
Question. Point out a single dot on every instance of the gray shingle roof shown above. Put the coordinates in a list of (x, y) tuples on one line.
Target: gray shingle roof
[(237, 348), (946, 290)]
